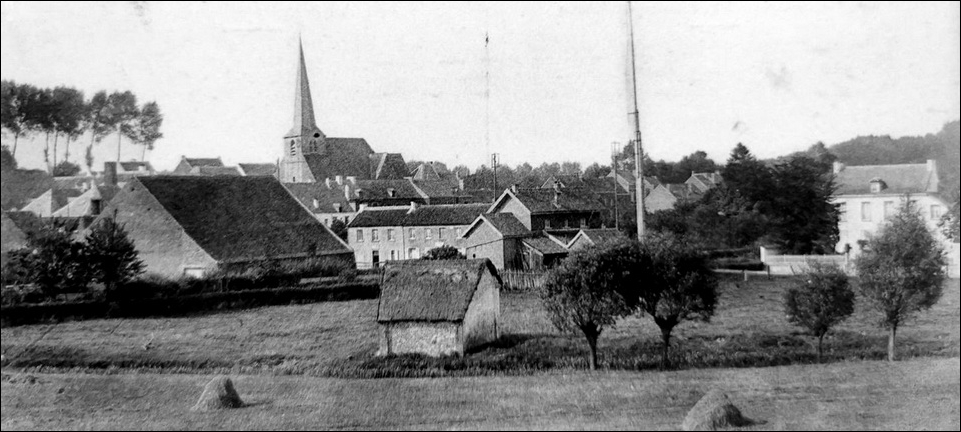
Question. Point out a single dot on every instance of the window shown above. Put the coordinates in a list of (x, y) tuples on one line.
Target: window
[(583, 222), (413, 234), (440, 233), (293, 148), (390, 236), (194, 272), (842, 212), (875, 187), (547, 224), (936, 212), (326, 221), (413, 253), (865, 212), (375, 258), (888, 209), (427, 233), (374, 235), (391, 193), (393, 255), (360, 236)]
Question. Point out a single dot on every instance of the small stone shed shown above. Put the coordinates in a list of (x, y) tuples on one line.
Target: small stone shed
[(438, 307)]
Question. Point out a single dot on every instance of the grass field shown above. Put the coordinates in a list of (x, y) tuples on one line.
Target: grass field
[(339, 338), (908, 395)]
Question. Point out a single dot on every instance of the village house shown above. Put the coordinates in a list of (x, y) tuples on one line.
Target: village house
[(134, 169), (869, 195), (667, 196), (257, 169), (438, 307), (523, 229), (14, 227), (593, 237), (382, 234), (188, 225), (189, 166)]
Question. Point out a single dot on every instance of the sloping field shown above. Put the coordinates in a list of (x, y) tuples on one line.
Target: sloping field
[(909, 395)]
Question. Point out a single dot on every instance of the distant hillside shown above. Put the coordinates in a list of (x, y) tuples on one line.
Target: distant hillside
[(944, 147)]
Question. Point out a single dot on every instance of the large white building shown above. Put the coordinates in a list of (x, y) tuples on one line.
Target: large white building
[(868, 195)]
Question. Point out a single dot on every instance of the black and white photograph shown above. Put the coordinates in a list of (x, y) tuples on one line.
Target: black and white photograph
[(480, 215)]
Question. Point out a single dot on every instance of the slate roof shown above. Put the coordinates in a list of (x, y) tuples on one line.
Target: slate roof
[(134, 166), (327, 198), (19, 187), (199, 162), (425, 171), (424, 215), (216, 171), (439, 189), (241, 218), (505, 223), (430, 291), (341, 156), (598, 236), (258, 169), (384, 166), (380, 189), (545, 246), (539, 200), (24, 221), (51, 201), (899, 179), (81, 205)]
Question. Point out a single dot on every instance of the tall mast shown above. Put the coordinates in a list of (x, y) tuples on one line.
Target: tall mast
[(638, 148)]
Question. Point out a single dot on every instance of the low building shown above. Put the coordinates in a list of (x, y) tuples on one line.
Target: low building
[(592, 237), (497, 237), (381, 234), (869, 195), (187, 165), (188, 225), (257, 169), (438, 307), (666, 196)]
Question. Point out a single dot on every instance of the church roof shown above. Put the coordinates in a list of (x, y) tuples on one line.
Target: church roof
[(340, 156), (304, 122)]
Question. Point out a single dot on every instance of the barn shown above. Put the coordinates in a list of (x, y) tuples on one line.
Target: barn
[(438, 307)]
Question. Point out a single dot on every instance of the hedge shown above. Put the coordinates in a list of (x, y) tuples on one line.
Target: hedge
[(184, 305)]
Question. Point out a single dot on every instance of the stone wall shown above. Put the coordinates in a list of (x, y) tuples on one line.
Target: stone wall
[(433, 339)]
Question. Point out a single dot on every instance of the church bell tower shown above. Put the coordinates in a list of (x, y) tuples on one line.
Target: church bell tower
[(304, 137)]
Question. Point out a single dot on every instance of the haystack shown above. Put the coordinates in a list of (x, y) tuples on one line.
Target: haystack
[(218, 394), (714, 411)]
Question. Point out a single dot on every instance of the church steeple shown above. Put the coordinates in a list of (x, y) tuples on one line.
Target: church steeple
[(304, 125)]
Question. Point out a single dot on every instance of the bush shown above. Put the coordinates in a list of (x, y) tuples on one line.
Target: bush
[(820, 300), (444, 253)]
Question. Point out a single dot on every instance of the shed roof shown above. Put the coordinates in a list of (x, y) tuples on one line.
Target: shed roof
[(430, 291), (242, 218)]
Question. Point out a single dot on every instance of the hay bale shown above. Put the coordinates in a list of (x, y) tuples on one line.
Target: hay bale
[(714, 411), (218, 394)]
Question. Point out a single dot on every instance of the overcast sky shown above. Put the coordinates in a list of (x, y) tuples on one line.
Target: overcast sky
[(410, 78)]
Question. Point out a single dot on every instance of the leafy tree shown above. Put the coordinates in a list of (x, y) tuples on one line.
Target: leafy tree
[(803, 218), (445, 252), (66, 169), (99, 120), (146, 128), (110, 255), (339, 228), (57, 263), (901, 270), (670, 281), (695, 162), (820, 300), (7, 161), (122, 113), (19, 107), (949, 222), (582, 294), (597, 170), (68, 111), (749, 177)]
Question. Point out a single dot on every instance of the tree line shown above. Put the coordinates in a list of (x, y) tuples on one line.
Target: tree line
[(64, 113)]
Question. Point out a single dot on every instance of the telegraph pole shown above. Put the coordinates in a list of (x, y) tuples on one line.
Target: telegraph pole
[(638, 148), (494, 160), (614, 146)]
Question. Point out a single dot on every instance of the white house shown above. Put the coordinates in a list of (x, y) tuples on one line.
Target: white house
[(868, 195)]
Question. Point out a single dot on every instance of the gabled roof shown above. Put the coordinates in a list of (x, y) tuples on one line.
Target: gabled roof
[(51, 201), (241, 218), (562, 236), (385, 166), (425, 171), (82, 205), (201, 162), (504, 223), (340, 156), (422, 215), (326, 198), (704, 181), (899, 179), (545, 246), (429, 290), (597, 236), (438, 189), (682, 191), (538, 200), (603, 185), (215, 171), (135, 166), (24, 221), (381, 189), (258, 169)]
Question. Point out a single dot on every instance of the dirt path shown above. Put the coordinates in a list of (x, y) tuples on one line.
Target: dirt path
[(920, 394)]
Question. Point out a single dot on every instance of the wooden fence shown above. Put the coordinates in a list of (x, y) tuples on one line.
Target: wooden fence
[(521, 280)]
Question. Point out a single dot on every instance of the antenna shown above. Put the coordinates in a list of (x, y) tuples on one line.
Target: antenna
[(638, 148)]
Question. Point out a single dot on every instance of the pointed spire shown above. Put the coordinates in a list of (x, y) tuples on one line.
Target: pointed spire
[(304, 123)]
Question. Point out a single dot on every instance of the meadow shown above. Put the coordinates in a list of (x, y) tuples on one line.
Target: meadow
[(338, 339)]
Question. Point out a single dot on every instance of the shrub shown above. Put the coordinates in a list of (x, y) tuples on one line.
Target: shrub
[(56, 263), (443, 253), (820, 300), (901, 270), (110, 256)]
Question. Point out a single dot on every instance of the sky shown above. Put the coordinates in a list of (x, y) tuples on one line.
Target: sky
[(413, 78)]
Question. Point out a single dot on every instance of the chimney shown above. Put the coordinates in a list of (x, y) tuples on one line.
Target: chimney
[(557, 194), (413, 207), (110, 173), (340, 179), (838, 167), (514, 188), (347, 191), (327, 182)]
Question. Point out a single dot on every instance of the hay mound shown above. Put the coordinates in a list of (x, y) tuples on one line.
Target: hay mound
[(714, 411), (218, 394)]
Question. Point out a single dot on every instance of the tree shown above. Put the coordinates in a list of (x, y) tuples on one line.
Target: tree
[(949, 222), (66, 169), (804, 220), (146, 128), (582, 294), (7, 161), (19, 104), (901, 270), (57, 263), (821, 299), (99, 120), (88, 158), (670, 281), (752, 179), (110, 255), (122, 112), (445, 252), (68, 113), (596, 170), (696, 162), (339, 228)]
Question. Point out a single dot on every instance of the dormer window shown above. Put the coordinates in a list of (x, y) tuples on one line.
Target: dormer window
[(392, 193), (877, 185)]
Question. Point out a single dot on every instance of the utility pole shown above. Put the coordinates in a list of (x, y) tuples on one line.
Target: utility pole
[(614, 146), (494, 161), (638, 148)]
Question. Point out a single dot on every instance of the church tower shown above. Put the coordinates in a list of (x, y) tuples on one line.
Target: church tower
[(304, 137)]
